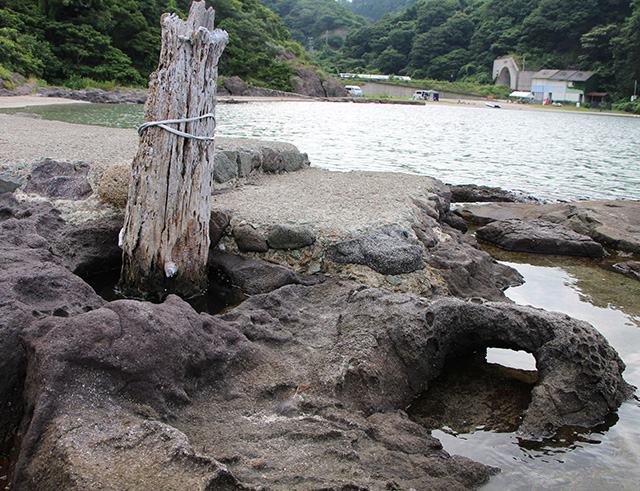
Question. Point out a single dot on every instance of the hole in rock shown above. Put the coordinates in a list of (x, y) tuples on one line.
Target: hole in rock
[(475, 393), (520, 360), (220, 295)]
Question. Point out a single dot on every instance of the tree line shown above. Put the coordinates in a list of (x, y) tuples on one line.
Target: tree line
[(459, 39), (73, 41)]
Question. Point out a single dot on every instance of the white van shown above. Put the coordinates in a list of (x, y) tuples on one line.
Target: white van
[(354, 90)]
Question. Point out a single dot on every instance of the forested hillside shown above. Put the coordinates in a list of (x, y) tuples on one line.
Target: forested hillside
[(375, 9), (68, 41), (459, 39), (316, 23)]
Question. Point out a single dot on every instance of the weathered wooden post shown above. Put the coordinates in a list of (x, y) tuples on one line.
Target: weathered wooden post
[(165, 239)]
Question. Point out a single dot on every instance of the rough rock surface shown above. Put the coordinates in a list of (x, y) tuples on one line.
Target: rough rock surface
[(249, 239), (307, 81), (629, 268), (63, 180), (289, 237), (128, 96), (384, 230), (304, 387), (389, 250), (614, 224), (253, 276), (33, 284), (472, 193), (9, 183), (539, 236), (300, 388)]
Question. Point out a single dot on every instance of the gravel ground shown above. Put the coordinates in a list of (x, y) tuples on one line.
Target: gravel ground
[(327, 200), (25, 140)]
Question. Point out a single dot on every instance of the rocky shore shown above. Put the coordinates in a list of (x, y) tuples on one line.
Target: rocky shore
[(358, 288)]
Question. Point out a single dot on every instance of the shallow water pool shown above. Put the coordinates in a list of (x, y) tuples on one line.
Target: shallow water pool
[(607, 457)]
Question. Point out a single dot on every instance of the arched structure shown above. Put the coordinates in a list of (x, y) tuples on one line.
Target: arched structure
[(505, 72), (504, 78)]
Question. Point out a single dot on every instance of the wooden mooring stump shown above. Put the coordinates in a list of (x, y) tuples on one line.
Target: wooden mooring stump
[(165, 239)]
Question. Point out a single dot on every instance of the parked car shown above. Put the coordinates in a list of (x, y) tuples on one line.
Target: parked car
[(426, 95), (354, 90)]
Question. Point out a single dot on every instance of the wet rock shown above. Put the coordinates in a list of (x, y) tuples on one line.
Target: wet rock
[(614, 224), (55, 179), (253, 276), (468, 271), (249, 239), (539, 236), (629, 268), (455, 221), (290, 237), (472, 193), (389, 251)]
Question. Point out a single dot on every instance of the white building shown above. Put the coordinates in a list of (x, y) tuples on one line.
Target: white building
[(559, 85)]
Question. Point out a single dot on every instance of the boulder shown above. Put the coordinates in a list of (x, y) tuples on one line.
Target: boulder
[(113, 187), (614, 224), (390, 251), (629, 268), (235, 85), (308, 81), (539, 236), (252, 276), (290, 237), (62, 180), (249, 239), (472, 193), (224, 169)]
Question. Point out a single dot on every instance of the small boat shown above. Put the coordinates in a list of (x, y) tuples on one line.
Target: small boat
[(492, 104)]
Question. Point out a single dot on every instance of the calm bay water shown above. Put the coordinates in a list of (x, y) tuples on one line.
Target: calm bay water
[(556, 155)]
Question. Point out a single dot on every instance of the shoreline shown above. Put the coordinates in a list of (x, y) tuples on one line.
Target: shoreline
[(26, 101)]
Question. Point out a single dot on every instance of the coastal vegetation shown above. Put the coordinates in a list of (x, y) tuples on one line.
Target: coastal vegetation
[(82, 43), (459, 39)]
